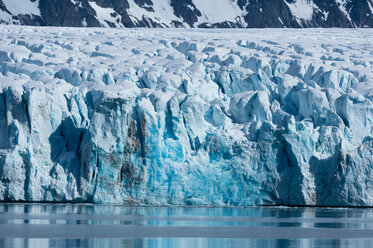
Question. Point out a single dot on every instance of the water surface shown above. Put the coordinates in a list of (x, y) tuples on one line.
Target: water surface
[(79, 225)]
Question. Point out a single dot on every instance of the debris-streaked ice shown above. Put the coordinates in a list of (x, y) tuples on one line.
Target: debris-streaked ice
[(200, 117)]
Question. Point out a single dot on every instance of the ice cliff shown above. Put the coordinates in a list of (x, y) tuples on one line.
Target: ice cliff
[(199, 117)]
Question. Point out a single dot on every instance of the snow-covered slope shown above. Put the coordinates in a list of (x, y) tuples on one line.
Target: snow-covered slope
[(174, 116), (189, 13), (22, 7)]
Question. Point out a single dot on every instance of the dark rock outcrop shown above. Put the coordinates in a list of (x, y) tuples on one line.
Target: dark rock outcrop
[(185, 13)]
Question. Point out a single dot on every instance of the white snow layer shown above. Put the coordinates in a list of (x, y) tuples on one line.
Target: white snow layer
[(163, 12), (342, 6), (5, 17), (370, 3), (302, 9), (105, 15), (197, 117), (23, 7), (215, 11)]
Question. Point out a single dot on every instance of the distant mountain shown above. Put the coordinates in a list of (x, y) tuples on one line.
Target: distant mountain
[(189, 13)]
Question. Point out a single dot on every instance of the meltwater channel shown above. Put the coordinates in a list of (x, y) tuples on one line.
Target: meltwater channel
[(80, 225)]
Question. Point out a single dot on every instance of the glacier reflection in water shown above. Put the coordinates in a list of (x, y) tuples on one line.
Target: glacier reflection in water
[(80, 225)]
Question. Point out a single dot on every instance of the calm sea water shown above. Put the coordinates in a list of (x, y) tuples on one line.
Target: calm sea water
[(64, 225)]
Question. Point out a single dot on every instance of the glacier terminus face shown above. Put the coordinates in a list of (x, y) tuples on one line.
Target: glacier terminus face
[(186, 117)]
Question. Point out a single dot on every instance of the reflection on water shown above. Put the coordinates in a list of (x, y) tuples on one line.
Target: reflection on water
[(79, 225), (184, 243)]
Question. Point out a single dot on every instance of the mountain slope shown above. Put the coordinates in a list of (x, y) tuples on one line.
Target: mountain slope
[(189, 13)]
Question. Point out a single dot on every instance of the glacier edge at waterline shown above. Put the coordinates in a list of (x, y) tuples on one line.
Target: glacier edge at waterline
[(186, 117)]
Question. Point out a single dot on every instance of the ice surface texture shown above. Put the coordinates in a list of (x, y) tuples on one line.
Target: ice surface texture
[(199, 117)]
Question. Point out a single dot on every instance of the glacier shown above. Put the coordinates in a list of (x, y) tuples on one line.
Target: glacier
[(186, 117)]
